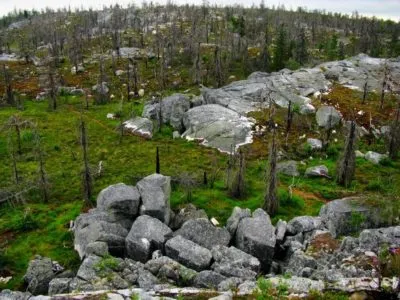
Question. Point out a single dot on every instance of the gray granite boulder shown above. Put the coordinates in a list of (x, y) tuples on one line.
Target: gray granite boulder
[(303, 224), (188, 253), (232, 262), (100, 226), (348, 215), (59, 286), (204, 233), (317, 171), (187, 213), (374, 157), (38, 275), (147, 235), (328, 117), (119, 198), (208, 279), (172, 110), (237, 215), (315, 144), (256, 236), (155, 191)]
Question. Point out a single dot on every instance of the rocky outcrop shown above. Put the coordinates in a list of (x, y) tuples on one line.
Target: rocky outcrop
[(317, 171), (217, 126)]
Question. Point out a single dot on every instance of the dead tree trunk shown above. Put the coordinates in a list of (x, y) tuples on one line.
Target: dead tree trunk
[(271, 203), (86, 173), (347, 163)]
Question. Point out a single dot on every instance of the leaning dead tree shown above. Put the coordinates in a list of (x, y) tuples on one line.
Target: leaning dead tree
[(347, 163), (394, 138), (9, 93), (43, 182), (86, 173), (271, 203)]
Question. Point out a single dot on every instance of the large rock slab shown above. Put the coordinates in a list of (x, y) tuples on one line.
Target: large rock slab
[(232, 262), (147, 235), (256, 236), (139, 126), (119, 198), (348, 215), (217, 126), (204, 233), (188, 253), (317, 171), (208, 279), (100, 226), (155, 191), (328, 117)]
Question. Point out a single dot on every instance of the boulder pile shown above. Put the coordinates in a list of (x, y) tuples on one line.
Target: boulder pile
[(134, 240)]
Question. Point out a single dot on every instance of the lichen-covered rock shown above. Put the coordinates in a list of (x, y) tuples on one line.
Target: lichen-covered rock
[(204, 233), (188, 253), (298, 285), (147, 235), (315, 144), (374, 157)]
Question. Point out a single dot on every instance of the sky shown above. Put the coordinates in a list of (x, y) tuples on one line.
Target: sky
[(388, 9)]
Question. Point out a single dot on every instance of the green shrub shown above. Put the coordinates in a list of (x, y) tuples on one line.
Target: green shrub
[(107, 262), (386, 161)]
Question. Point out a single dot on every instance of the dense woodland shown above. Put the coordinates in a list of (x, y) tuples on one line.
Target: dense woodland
[(60, 150)]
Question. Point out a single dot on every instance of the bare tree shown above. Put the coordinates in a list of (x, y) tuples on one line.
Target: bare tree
[(271, 203), (347, 164), (43, 182), (365, 91), (86, 172), (384, 83), (17, 123), (157, 161), (52, 87), (8, 85), (394, 138), (238, 187)]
